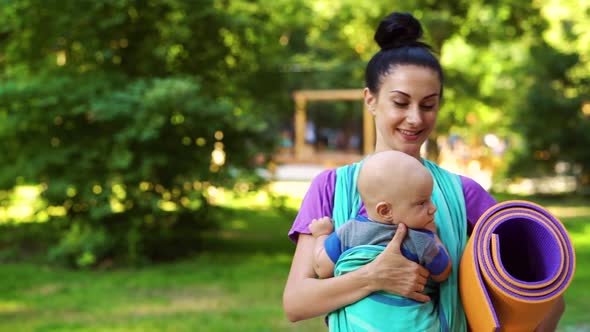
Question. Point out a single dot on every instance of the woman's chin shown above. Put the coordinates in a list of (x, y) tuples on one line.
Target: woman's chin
[(408, 147), (411, 138), (411, 149)]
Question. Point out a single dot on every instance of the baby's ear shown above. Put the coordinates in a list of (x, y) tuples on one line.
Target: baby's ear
[(383, 209)]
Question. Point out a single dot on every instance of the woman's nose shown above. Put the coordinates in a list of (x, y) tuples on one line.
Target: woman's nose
[(413, 116)]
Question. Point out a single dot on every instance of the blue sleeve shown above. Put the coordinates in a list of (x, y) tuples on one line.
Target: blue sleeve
[(407, 253), (439, 262), (333, 247)]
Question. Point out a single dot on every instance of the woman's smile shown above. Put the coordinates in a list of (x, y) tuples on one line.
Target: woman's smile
[(410, 135)]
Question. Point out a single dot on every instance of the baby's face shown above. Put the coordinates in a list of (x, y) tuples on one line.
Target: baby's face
[(414, 206)]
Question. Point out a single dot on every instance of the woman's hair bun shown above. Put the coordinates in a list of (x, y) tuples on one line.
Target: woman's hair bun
[(398, 29)]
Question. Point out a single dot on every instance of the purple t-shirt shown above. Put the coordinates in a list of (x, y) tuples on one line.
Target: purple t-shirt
[(319, 202)]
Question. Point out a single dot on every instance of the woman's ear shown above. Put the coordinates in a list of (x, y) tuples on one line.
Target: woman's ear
[(370, 100), (383, 210)]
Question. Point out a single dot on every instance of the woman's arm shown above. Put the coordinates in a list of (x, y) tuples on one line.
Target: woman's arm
[(322, 264), (306, 297), (549, 324)]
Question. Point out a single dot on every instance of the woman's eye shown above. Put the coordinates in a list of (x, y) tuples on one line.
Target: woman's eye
[(400, 104), (428, 107)]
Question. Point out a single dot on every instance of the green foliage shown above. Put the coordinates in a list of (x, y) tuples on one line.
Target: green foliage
[(81, 245), (127, 112), (562, 133), (123, 161)]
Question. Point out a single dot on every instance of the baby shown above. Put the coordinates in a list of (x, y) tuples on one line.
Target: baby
[(395, 188)]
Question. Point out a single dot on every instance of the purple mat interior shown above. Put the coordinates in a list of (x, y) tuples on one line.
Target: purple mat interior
[(529, 252)]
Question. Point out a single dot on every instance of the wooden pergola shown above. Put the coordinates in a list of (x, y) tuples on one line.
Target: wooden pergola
[(301, 98)]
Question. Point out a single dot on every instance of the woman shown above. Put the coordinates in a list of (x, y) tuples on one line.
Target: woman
[(404, 87)]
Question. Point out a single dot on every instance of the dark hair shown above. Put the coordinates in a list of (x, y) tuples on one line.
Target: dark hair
[(398, 35)]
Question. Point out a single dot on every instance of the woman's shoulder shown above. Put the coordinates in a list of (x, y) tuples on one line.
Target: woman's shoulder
[(317, 203), (472, 187), (477, 200), (325, 176)]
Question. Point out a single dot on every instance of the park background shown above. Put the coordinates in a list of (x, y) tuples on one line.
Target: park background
[(148, 176)]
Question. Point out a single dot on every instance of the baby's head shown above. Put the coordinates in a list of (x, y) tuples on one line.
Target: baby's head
[(396, 188)]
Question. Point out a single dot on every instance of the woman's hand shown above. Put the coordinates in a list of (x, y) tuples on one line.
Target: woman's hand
[(394, 273), (305, 296)]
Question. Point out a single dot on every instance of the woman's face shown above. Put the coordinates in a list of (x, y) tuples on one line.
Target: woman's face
[(405, 108)]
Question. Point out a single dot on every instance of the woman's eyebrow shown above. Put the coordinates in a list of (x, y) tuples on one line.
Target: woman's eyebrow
[(403, 93), (432, 95), (407, 95)]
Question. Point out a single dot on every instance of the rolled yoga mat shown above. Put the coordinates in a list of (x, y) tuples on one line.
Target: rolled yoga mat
[(517, 262)]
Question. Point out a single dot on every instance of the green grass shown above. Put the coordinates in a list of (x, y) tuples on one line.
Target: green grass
[(235, 285), (219, 292)]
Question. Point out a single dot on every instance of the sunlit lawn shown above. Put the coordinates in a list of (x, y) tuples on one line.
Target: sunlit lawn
[(236, 285)]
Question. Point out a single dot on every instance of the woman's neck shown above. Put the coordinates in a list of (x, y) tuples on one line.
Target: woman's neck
[(387, 148)]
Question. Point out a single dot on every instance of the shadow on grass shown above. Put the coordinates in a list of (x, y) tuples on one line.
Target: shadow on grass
[(26, 241), (247, 231)]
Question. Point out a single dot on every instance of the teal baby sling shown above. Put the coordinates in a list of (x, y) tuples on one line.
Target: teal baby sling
[(381, 311)]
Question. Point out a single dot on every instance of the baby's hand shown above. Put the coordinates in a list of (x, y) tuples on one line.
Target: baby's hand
[(322, 226)]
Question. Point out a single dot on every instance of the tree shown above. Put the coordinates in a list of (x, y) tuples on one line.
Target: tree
[(549, 116), (127, 112)]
